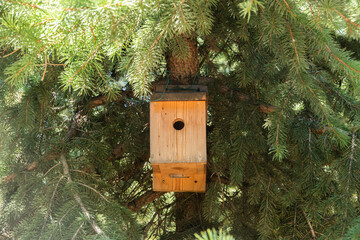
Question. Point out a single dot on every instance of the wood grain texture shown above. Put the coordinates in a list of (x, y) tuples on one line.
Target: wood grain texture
[(179, 177), (168, 145)]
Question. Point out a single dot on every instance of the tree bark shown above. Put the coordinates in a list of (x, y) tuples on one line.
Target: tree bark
[(182, 70), (189, 212), (188, 206)]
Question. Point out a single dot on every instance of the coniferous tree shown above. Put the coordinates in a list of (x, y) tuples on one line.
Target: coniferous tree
[(283, 117)]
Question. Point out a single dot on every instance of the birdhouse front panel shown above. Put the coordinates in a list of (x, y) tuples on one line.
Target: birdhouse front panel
[(178, 131), (178, 140)]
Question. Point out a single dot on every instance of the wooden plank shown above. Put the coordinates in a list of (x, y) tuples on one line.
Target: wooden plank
[(179, 96), (179, 177), (168, 145), (195, 146)]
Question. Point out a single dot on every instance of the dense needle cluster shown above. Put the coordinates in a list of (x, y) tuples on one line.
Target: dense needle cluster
[(283, 117)]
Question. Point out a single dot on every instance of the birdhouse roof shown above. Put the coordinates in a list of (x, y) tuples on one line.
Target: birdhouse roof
[(179, 93)]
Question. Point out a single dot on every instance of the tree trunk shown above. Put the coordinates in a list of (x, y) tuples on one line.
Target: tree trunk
[(188, 206), (188, 212), (183, 70)]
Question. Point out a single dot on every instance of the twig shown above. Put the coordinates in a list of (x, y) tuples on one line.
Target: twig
[(162, 33), (88, 60), (51, 169), (340, 59), (310, 150), (293, 42), (77, 231), (77, 198), (104, 80), (309, 224), (24, 4), (41, 114), (351, 159), (278, 124), (294, 224), (287, 5), (346, 19), (322, 109), (27, 110), (62, 218), (50, 204), (93, 189), (92, 31), (144, 199), (42, 79), (11, 53)]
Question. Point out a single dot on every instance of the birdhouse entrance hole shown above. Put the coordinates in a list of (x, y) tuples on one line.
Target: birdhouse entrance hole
[(178, 124), (178, 138)]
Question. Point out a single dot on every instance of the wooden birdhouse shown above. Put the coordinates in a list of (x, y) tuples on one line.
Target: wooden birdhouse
[(178, 138)]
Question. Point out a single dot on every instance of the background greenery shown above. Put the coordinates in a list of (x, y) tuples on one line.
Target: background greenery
[(283, 117)]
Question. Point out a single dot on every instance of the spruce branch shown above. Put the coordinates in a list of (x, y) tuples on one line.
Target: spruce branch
[(293, 42), (294, 223), (73, 130), (138, 203), (337, 58), (349, 173), (346, 19), (287, 5), (182, 13), (94, 190), (310, 150), (162, 32), (27, 110), (77, 231), (77, 198), (63, 217), (79, 117), (117, 152), (278, 150), (263, 107), (18, 72), (5, 56), (23, 4), (321, 106), (45, 64), (86, 63), (110, 90), (313, 235), (92, 31), (202, 15), (331, 91), (312, 11), (50, 206)]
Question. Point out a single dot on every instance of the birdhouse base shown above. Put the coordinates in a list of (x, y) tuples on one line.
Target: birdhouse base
[(179, 177)]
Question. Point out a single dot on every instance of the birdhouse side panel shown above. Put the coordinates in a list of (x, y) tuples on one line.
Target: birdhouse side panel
[(195, 142), (171, 145)]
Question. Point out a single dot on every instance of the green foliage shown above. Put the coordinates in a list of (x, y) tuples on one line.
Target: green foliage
[(283, 117), (212, 234), (354, 231), (250, 6)]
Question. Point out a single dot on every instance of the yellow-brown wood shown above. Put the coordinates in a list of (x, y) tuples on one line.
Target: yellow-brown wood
[(168, 145), (178, 152), (179, 177)]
